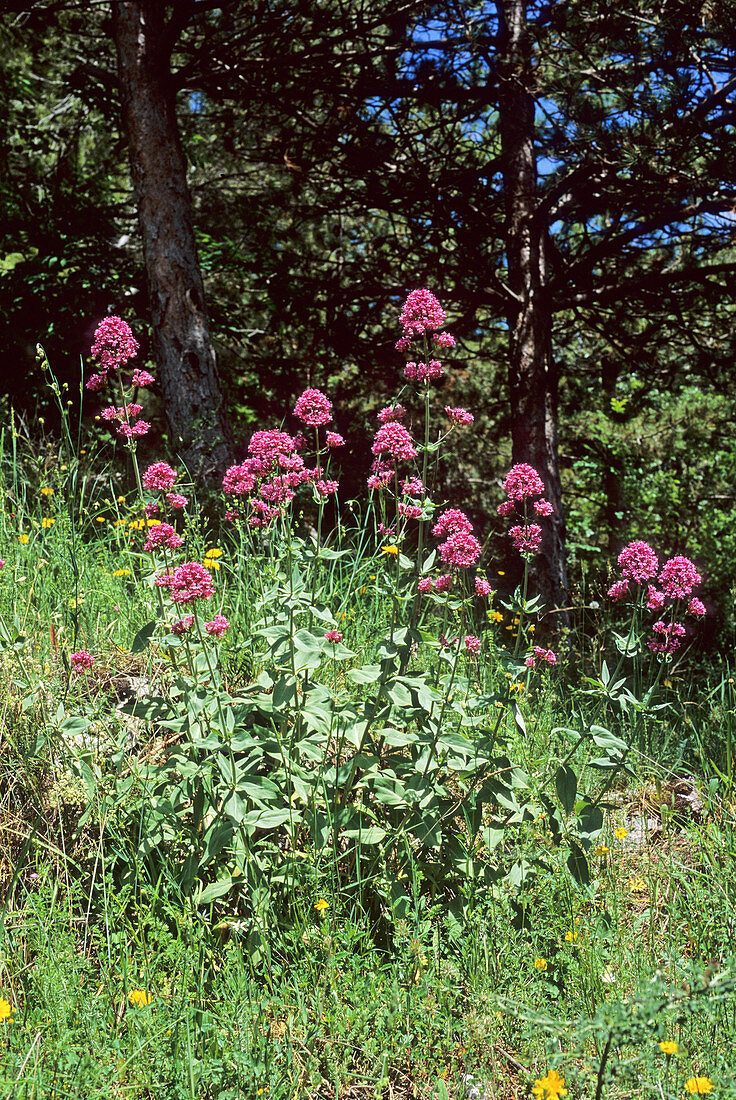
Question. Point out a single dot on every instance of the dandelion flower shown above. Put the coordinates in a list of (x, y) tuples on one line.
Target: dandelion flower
[(140, 998), (699, 1086), (551, 1087), (621, 833), (668, 1046)]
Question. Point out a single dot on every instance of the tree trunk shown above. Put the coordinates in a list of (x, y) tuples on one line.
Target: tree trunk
[(187, 370), (533, 375)]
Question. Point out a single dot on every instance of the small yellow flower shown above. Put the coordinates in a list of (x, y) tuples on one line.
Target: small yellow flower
[(668, 1046), (136, 525), (214, 553), (540, 964), (516, 687), (121, 573), (6, 1010), (389, 549), (321, 905), (47, 491), (501, 573), (602, 850), (210, 563), (121, 500), (551, 1087), (119, 523), (140, 998), (699, 1086), (495, 616), (23, 539), (637, 885), (48, 521), (571, 936), (621, 833), (100, 519)]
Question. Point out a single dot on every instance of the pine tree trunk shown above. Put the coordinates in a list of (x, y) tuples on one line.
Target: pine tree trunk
[(533, 375), (187, 369)]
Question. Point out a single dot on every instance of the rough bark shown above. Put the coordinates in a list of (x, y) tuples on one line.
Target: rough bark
[(533, 374), (187, 369)]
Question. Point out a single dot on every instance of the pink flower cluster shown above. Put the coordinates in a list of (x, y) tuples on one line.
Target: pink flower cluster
[(187, 583), (422, 313), (392, 412), (459, 416), (159, 475), (114, 344), (128, 427), (521, 485), (163, 535), (333, 636), (81, 661), (678, 576), (432, 371), (313, 408), (547, 656), (182, 626), (461, 549), (217, 626)]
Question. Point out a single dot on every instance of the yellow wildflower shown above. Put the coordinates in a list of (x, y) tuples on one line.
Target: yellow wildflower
[(210, 563), (121, 500), (121, 573), (571, 936), (23, 539), (6, 1010), (47, 491), (136, 525), (668, 1046), (100, 519), (540, 964), (48, 521), (621, 833), (602, 850), (551, 1087), (389, 549), (637, 885), (699, 1086), (495, 616), (140, 998), (501, 573), (214, 553), (321, 905)]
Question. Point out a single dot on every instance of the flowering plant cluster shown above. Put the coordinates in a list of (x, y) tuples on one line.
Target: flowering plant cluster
[(668, 599), (265, 483), (114, 346), (522, 486)]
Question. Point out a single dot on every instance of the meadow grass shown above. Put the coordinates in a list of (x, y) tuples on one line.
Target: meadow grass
[(272, 865)]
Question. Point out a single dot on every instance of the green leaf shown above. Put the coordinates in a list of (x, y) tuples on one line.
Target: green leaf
[(368, 674), (577, 864), (566, 783), (215, 890), (143, 637)]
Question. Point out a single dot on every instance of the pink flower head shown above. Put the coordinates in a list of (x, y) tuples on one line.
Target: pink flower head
[(182, 626), (2, 563), (217, 626), (395, 440), (678, 577), (505, 508), (482, 587), (152, 509), (392, 412), (451, 522), (142, 378), (97, 382), (314, 408), (333, 636), (114, 343), (543, 508), (132, 431), (526, 539), (110, 413), (459, 416), (403, 344), (163, 535), (655, 598), (333, 440), (638, 562), (522, 481), (386, 532), (159, 476), (326, 488), (443, 583), (461, 550), (188, 582), (472, 644), (668, 637), (444, 340), (426, 584), (81, 661), (240, 480), (176, 500), (618, 590), (270, 446), (696, 607), (409, 511), (421, 313), (412, 487)]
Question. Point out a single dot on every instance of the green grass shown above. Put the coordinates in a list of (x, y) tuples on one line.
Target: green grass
[(486, 973)]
